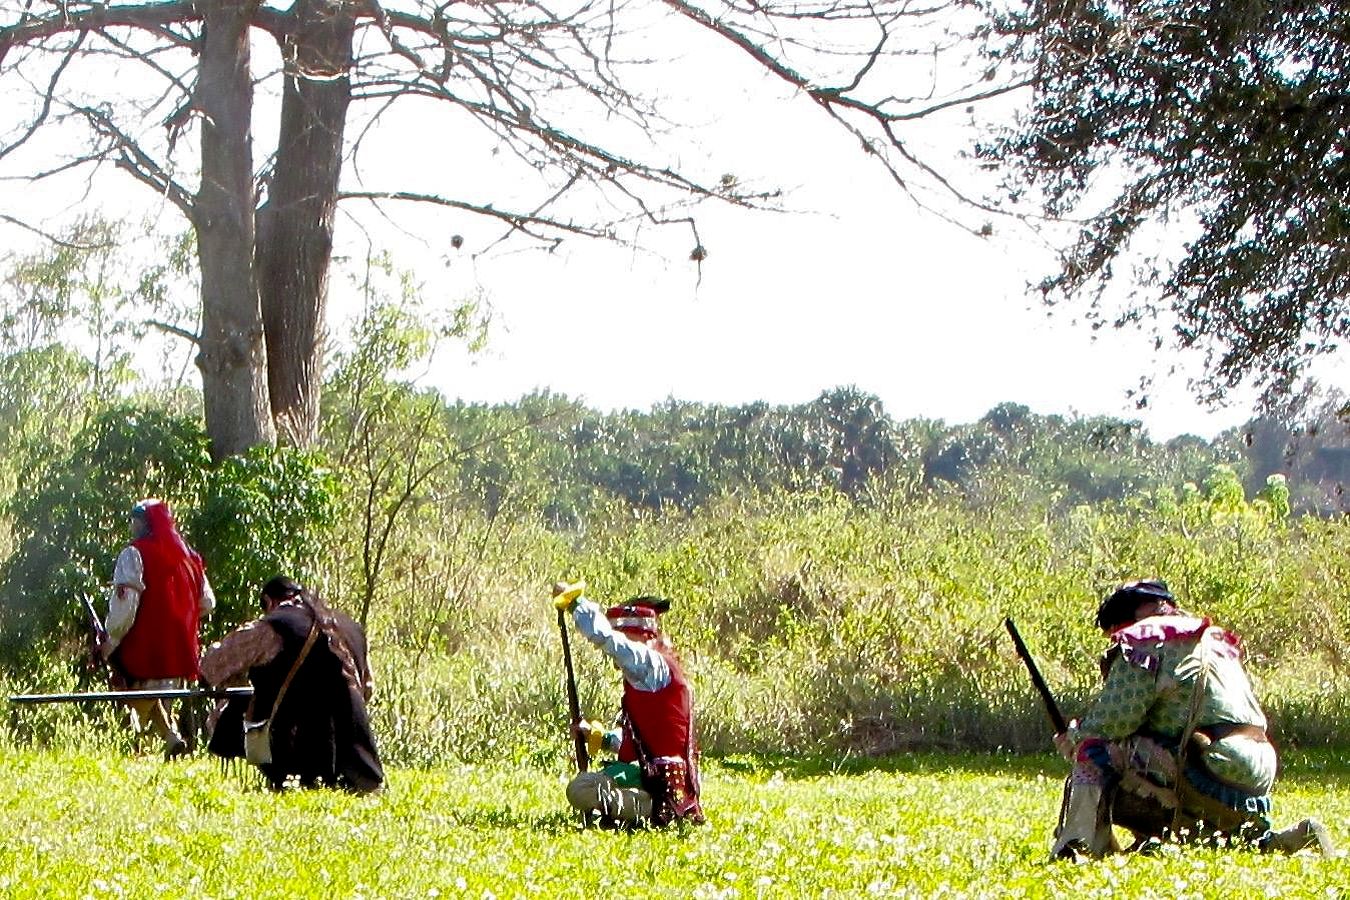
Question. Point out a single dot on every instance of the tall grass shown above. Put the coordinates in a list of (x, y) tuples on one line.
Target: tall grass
[(814, 624)]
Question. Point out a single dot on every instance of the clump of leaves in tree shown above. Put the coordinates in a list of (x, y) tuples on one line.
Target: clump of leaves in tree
[(1226, 123)]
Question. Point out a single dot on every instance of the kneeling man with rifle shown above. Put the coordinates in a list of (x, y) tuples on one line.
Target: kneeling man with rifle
[(1175, 745), (655, 779)]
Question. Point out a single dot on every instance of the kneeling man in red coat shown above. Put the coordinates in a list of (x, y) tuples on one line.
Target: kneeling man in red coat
[(655, 777)]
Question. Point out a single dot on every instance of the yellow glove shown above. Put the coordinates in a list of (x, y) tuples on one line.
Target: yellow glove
[(565, 595), (595, 737)]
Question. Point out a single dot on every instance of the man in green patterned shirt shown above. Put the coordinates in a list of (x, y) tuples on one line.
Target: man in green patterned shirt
[(1175, 744)]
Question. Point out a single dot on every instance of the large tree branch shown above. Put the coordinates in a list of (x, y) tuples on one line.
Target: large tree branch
[(150, 16), (141, 165)]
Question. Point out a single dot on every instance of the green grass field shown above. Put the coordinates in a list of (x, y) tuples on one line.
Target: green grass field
[(81, 825)]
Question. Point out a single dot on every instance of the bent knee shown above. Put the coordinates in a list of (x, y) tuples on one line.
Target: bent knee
[(586, 791)]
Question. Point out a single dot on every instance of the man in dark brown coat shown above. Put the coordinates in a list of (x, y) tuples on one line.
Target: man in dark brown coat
[(311, 680)]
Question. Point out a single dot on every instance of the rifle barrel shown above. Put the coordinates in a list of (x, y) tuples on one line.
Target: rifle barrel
[(580, 754), (1047, 698), (161, 694)]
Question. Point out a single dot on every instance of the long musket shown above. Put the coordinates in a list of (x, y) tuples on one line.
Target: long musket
[(579, 751), (1047, 699), (583, 758), (161, 694)]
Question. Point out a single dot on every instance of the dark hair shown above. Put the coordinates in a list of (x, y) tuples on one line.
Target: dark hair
[(1118, 608), (279, 587)]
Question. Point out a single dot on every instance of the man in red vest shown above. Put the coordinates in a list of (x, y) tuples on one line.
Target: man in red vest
[(655, 780), (159, 596)]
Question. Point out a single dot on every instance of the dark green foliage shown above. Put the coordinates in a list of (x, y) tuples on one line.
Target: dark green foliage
[(262, 514), (1226, 122), (70, 522), (682, 455)]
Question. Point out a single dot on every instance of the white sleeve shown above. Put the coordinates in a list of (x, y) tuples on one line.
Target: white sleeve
[(125, 598), (207, 604), (642, 667)]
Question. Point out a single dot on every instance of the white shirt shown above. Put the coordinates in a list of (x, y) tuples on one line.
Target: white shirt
[(642, 666)]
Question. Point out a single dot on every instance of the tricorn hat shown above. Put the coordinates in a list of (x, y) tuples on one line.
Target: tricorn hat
[(639, 616), (1118, 608)]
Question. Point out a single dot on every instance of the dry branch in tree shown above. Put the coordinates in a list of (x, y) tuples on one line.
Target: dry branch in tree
[(551, 93)]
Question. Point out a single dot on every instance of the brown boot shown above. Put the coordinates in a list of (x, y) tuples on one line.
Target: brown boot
[(1306, 835)]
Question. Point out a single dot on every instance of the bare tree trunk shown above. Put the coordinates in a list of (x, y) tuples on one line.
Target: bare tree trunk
[(233, 358), (295, 227)]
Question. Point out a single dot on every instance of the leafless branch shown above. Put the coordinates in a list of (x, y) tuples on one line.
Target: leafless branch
[(47, 96), (50, 237), (174, 330), (522, 222), (963, 100), (140, 164), (836, 100)]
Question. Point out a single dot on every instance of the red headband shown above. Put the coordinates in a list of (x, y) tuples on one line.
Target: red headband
[(629, 617)]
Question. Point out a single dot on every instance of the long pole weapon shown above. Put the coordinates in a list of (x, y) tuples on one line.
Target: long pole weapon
[(1047, 699), (565, 594), (583, 758), (161, 694)]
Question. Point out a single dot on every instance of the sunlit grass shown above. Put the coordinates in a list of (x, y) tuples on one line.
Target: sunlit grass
[(83, 825)]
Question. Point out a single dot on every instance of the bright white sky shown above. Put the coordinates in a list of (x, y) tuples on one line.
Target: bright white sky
[(863, 289)]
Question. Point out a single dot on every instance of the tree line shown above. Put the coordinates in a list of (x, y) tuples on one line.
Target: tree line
[(680, 454)]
